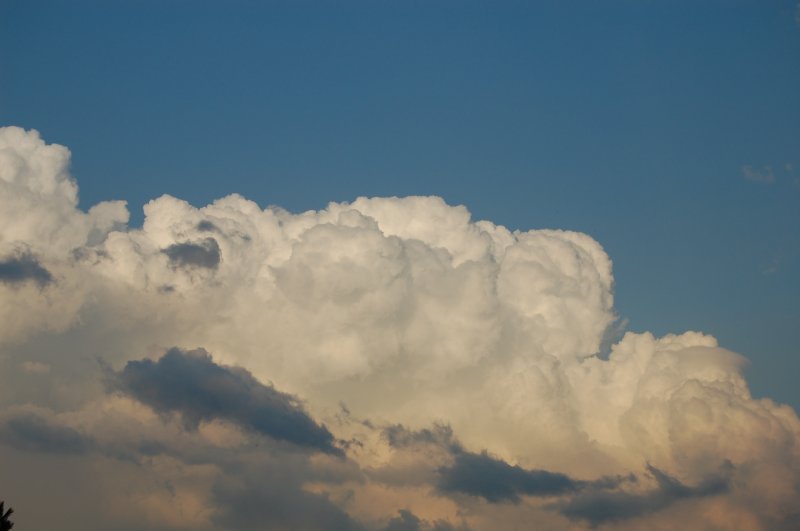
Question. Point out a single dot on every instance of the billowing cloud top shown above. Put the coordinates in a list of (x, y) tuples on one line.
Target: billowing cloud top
[(386, 363)]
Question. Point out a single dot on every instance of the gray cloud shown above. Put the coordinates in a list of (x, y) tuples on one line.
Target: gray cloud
[(398, 436), (257, 487), (405, 521), (497, 481), (595, 502), (188, 254), (191, 384), (408, 521), (481, 475), (272, 497), (32, 432), (23, 267), (206, 226), (598, 507)]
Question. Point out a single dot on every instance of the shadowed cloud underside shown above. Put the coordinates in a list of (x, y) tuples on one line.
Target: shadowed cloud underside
[(190, 384)]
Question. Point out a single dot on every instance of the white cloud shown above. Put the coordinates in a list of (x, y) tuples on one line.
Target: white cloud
[(405, 310)]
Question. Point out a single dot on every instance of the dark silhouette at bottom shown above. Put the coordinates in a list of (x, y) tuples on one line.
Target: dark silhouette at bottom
[(5, 523)]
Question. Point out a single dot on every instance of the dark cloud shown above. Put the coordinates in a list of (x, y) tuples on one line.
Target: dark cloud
[(598, 507), (481, 475), (191, 384), (206, 226), (408, 521), (405, 521), (23, 267), (441, 435), (204, 254), (596, 502), (32, 432), (497, 481)]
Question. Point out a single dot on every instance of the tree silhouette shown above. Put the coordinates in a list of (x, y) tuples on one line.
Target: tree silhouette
[(5, 523)]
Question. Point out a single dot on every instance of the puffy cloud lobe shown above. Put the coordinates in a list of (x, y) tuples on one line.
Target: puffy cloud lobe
[(38, 198), (41, 224), (191, 384)]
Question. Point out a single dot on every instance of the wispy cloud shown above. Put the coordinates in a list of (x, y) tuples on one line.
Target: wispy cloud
[(758, 175)]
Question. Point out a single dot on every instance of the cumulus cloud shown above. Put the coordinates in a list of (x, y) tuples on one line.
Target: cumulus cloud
[(425, 323), (38, 197)]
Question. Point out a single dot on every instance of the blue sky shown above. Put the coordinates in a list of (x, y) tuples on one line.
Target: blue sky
[(628, 120)]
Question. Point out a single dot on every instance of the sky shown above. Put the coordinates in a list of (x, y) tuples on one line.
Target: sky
[(464, 236)]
